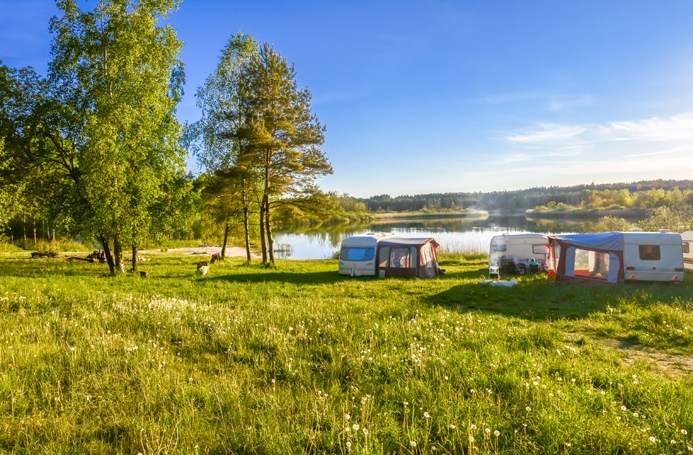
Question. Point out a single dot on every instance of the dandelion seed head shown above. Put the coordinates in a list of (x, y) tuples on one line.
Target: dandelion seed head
[(623, 408), (412, 443), (683, 431), (653, 439), (496, 433), (355, 427), (487, 431), (427, 415), (528, 409), (453, 426), (471, 438), (472, 426), (365, 431)]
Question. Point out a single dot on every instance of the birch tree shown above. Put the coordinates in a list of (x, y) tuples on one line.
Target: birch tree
[(213, 140), (120, 71)]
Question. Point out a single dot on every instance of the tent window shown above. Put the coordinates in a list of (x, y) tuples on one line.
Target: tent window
[(686, 247), (591, 264), (357, 253), (650, 252), (399, 258)]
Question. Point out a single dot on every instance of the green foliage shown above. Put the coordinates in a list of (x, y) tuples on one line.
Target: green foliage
[(607, 224), (676, 219), (117, 73), (211, 138), (300, 359)]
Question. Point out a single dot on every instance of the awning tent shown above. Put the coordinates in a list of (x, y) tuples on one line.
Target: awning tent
[(586, 258), (402, 256)]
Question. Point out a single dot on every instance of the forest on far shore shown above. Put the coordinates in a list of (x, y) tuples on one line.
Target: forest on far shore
[(644, 195)]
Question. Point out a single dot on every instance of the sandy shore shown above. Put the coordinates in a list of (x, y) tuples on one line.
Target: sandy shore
[(233, 251)]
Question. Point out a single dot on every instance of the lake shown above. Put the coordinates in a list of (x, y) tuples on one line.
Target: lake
[(455, 235)]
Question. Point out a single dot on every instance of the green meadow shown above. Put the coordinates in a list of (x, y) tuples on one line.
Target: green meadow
[(298, 359)]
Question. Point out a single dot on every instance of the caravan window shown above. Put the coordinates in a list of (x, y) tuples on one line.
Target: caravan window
[(357, 253), (539, 249), (649, 252), (686, 247), (502, 247)]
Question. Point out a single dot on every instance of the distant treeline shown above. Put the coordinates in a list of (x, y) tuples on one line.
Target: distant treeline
[(644, 194)]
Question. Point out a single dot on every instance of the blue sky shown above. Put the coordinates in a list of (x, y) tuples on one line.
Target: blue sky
[(423, 96)]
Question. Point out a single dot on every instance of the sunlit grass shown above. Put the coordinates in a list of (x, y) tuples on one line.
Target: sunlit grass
[(300, 359)]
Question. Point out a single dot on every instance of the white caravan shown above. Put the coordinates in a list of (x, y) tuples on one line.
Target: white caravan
[(652, 256), (512, 253), (687, 242), (357, 255)]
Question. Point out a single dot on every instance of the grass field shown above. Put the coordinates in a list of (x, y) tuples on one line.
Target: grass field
[(299, 359)]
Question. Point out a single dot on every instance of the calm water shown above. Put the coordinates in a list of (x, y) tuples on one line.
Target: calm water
[(453, 235)]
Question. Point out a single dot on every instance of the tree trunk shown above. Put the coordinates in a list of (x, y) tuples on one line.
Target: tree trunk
[(119, 265), (134, 257), (226, 238), (246, 230), (263, 240), (270, 239), (109, 255)]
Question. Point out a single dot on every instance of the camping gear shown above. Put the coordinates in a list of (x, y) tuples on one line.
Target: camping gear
[(511, 254), (614, 257)]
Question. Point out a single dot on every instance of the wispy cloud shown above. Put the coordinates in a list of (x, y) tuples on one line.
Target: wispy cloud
[(548, 132), (656, 147), (675, 127)]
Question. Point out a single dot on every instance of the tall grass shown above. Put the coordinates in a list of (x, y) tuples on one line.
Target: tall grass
[(298, 359)]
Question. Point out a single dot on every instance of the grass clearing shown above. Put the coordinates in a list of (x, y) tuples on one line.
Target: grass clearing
[(299, 359)]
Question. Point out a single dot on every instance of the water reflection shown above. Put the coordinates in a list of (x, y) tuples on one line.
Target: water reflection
[(455, 235)]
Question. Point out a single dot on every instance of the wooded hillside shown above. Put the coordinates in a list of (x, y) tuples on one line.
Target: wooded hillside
[(521, 200)]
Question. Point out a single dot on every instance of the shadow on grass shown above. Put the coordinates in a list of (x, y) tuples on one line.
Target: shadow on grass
[(537, 298), (27, 268), (283, 277)]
